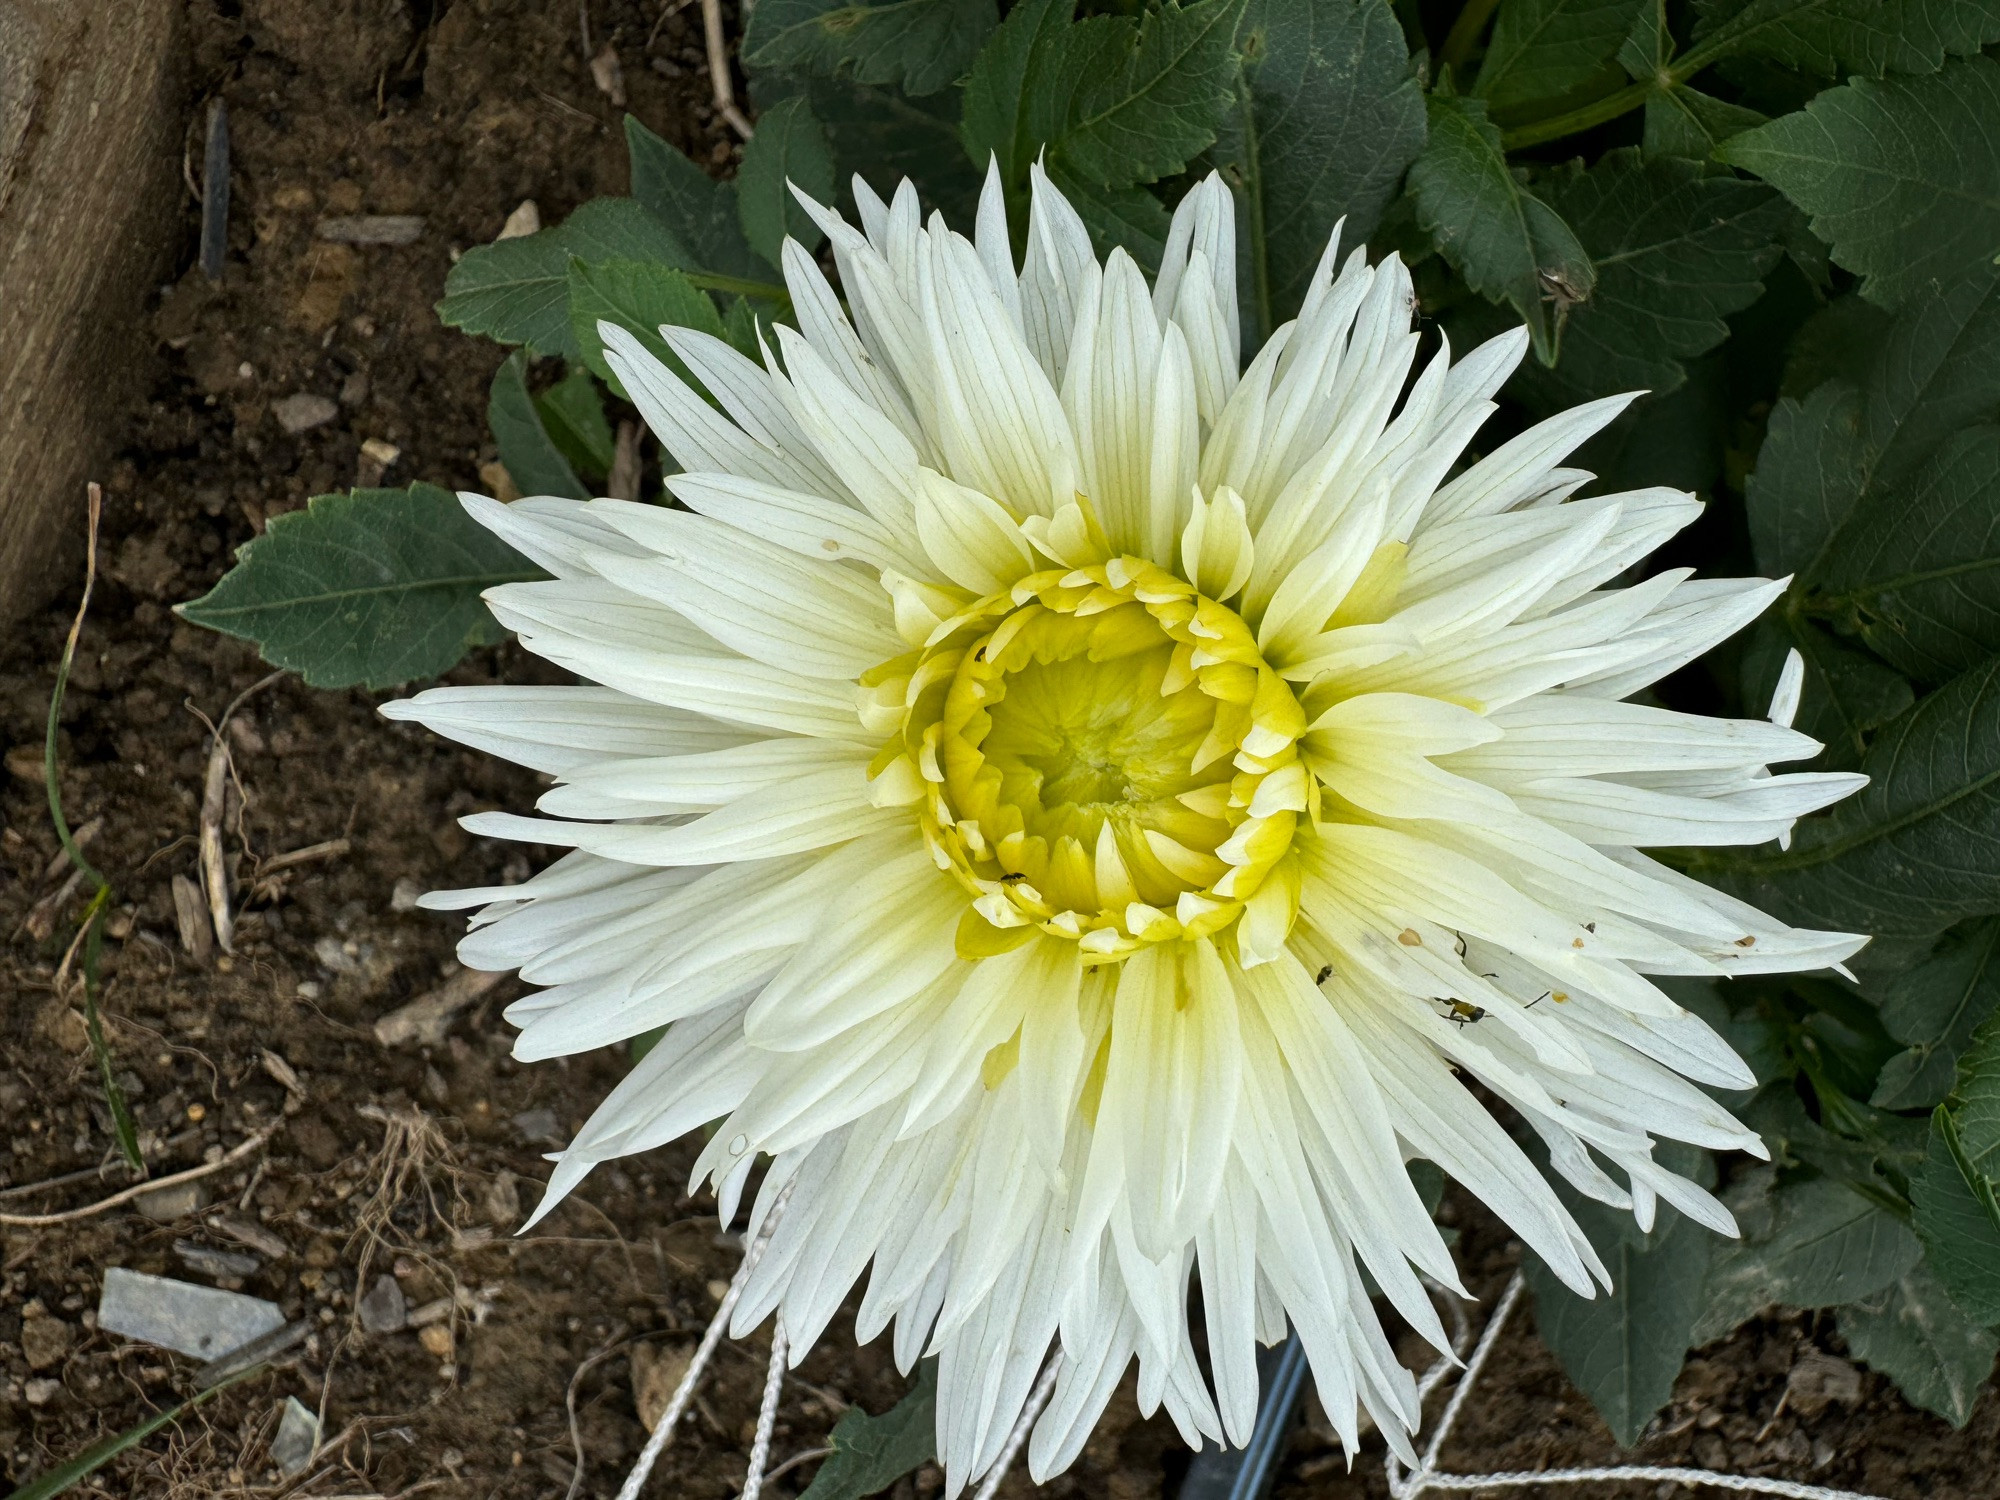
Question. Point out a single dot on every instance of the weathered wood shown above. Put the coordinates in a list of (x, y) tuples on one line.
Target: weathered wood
[(92, 95)]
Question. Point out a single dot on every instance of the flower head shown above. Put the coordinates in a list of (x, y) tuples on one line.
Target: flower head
[(1085, 811)]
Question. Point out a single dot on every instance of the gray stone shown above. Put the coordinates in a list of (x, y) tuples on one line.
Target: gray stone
[(385, 1309), (213, 1262), (539, 1127), (168, 1204), (201, 1321), (302, 411), (297, 1437)]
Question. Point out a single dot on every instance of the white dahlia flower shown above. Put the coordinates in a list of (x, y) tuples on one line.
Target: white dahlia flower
[(1086, 812)]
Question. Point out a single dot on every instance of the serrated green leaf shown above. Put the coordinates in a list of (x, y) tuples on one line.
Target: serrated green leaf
[(1934, 1009), (1901, 176), (531, 458), (1326, 118), (788, 148), (1687, 123), (1807, 478), (370, 588), (1827, 37), (638, 297), (1847, 694), (1624, 1348), (1838, 342), (1507, 244), (1546, 53), (700, 211), (1938, 373), (1909, 854), (1649, 45), (872, 1453), (1911, 1332), (1115, 101), (1957, 1190), (1676, 252), (886, 137), (1916, 565), (516, 291), (1129, 219), (1812, 1243), (919, 46), (572, 412)]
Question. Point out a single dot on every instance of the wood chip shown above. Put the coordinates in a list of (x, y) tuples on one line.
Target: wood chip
[(197, 940), (426, 1019), (524, 220)]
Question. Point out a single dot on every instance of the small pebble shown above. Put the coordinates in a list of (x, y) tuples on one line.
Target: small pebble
[(302, 411), (385, 1309), (539, 1127), (297, 1437), (436, 1339), (210, 1261), (194, 1320), (41, 1392)]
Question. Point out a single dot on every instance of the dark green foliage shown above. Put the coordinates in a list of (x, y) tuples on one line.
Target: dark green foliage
[(789, 149), (1957, 1190), (872, 1453), (1327, 116), (1912, 1332), (1504, 240), (371, 588), (1901, 176), (532, 457), (920, 46), (1545, 53)]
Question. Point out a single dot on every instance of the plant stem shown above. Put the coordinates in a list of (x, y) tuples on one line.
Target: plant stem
[(1611, 106), (123, 1126), (1464, 33)]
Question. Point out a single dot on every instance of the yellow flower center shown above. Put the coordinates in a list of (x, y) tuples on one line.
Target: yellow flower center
[(1104, 756)]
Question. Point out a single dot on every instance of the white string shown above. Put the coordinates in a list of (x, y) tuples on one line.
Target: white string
[(1023, 1424), (663, 1431), (1427, 1478), (767, 1414)]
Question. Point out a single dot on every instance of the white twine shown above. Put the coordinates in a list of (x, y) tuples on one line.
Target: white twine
[(718, 1325), (1427, 1478), (1023, 1425), (767, 1414)]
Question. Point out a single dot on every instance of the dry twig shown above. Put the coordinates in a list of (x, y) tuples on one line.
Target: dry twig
[(718, 69), (426, 1019), (70, 1215)]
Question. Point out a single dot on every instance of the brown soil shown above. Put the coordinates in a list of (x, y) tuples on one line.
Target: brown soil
[(416, 1162)]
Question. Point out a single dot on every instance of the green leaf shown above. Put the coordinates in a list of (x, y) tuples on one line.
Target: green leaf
[(1911, 1332), (370, 588), (1116, 101), (1327, 117), (516, 291), (1807, 479), (1916, 566), (789, 147), (1910, 853), (1545, 53), (1129, 219), (532, 459), (1935, 1008), (1507, 244), (1623, 1348), (919, 46), (1676, 252), (638, 297), (1957, 1190), (885, 137), (1828, 37), (700, 211), (872, 1453), (572, 411), (1901, 177), (1811, 1243), (1686, 123), (1937, 373)]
